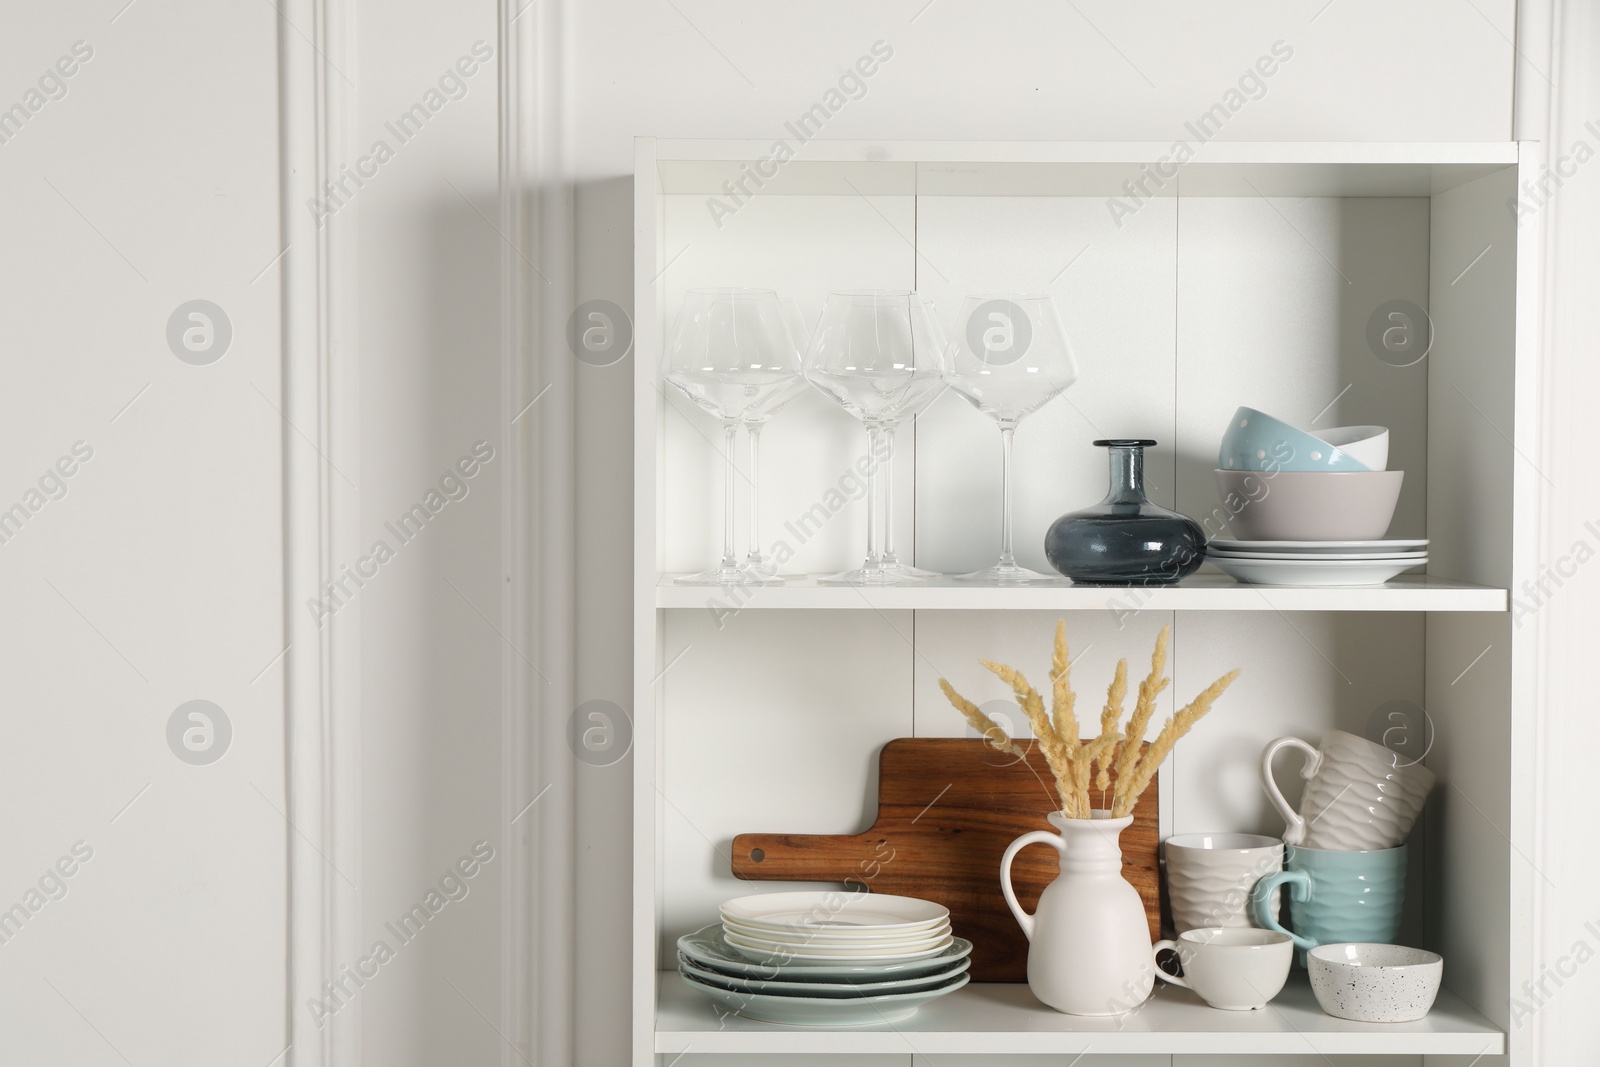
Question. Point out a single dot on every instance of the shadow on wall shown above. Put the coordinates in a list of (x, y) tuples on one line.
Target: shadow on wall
[(430, 651)]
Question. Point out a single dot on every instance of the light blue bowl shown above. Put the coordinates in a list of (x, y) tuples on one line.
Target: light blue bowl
[(1255, 441)]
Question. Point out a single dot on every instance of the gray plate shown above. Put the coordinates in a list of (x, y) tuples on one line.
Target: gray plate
[(915, 984), (707, 948), (824, 1011)]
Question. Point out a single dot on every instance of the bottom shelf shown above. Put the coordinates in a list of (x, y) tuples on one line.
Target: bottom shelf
[(1000, 1018)]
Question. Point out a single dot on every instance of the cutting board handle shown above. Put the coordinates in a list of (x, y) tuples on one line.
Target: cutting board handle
[(1038, 837)]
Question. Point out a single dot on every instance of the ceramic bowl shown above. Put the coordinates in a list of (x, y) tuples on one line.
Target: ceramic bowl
[(1255, 441), (1309, 506), (1364, 444), (1370, 983)]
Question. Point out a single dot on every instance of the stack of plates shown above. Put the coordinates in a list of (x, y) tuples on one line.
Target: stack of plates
[(833, 959), (1317, 562)]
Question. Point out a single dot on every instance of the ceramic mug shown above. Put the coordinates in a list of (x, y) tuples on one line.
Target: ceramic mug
[(1209, 877), (1336, 896), (1230, 968), (1358, 795)]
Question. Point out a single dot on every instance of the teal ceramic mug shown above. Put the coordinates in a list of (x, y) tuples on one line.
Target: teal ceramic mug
[(1335, 897)]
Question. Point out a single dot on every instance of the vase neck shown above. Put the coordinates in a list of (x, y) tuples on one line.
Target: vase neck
[(1127, 474), (1093, 846)]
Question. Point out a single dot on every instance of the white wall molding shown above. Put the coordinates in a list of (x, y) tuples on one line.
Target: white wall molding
[(539, 535), (321, 507)]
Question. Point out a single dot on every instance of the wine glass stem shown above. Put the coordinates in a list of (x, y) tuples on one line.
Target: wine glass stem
[(873, 558), (730, 428), (888, 494), (1007, 559), (754, 430)]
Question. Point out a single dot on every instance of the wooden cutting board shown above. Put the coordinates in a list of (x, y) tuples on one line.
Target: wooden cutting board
[(947, 809)]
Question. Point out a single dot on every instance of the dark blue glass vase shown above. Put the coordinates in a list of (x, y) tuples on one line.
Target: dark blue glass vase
[(1125, 539)]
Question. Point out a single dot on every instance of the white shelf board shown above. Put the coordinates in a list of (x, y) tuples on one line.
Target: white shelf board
[(1200, 592), (1004, 1018)]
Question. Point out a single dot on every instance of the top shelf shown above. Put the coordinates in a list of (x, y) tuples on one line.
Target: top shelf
[(1003, 168), (1201, 592)]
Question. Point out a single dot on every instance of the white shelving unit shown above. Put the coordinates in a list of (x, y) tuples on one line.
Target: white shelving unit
[(1247, 276)]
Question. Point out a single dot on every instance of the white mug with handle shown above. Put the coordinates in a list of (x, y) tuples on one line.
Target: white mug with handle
[(1358, 795)]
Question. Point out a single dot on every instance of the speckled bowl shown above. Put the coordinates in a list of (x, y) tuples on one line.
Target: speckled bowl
[(1369, 983)]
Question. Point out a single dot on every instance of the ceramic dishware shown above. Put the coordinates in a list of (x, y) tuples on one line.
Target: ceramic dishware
[(1397, 546), (824, 1011), (1367, 445), (837, 988), (1210, 876), (829, 936), (833, 911), (759, 950), (1335, 896), (1309, 505), (709, 948), (1326, 573), (1372, 983), (1256, 441), (1358, 794), (1088, 943), (1232, 968)]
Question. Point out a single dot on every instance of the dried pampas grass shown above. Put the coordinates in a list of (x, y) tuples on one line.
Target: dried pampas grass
[(1116, 752)]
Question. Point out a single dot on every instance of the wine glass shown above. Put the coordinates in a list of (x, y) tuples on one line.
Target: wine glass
[(758, 564), (731, 353), (1009, 357), (879, 354)]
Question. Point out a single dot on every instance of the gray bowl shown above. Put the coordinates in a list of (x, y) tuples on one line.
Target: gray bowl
[(1370, 983), (1309, 505)]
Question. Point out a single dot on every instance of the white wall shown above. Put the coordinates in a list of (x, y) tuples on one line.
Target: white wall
[(157, 578)]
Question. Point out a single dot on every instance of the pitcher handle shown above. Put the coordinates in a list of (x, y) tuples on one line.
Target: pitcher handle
[(1294, 826), (1299, 883), (1161, 972), (1037, 837)]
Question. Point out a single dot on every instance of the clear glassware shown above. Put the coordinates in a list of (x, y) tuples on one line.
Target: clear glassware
[(1009, 357), (758, 563), (879, 353), (732, 354)]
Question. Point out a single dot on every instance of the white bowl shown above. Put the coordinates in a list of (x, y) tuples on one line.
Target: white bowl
[(1365, 444), (1369, 983)]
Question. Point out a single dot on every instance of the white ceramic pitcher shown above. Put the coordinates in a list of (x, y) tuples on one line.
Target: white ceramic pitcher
[(1088, 942)]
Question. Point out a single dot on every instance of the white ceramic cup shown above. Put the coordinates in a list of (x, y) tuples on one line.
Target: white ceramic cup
[(1233, 969), (1359, 796), (1209, 877)]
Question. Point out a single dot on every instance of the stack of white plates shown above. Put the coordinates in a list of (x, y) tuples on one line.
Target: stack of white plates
[(1317, 562), (828, 958)]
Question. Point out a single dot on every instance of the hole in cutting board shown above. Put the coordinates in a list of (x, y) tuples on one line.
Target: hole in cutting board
[(757, 855)]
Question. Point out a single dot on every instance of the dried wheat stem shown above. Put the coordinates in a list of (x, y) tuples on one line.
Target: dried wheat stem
[(991, 730)]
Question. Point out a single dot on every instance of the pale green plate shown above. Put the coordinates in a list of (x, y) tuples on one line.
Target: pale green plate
[(707, 948), (824, 1011), (915, 984)]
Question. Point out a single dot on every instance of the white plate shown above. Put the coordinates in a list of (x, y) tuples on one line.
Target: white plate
[(1312, 572), (824, 1011), (1414, 557), (828, 935), (778, 952), (708, 947), (1311, 548), (763, 951), (802, 910), (781, 988)]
